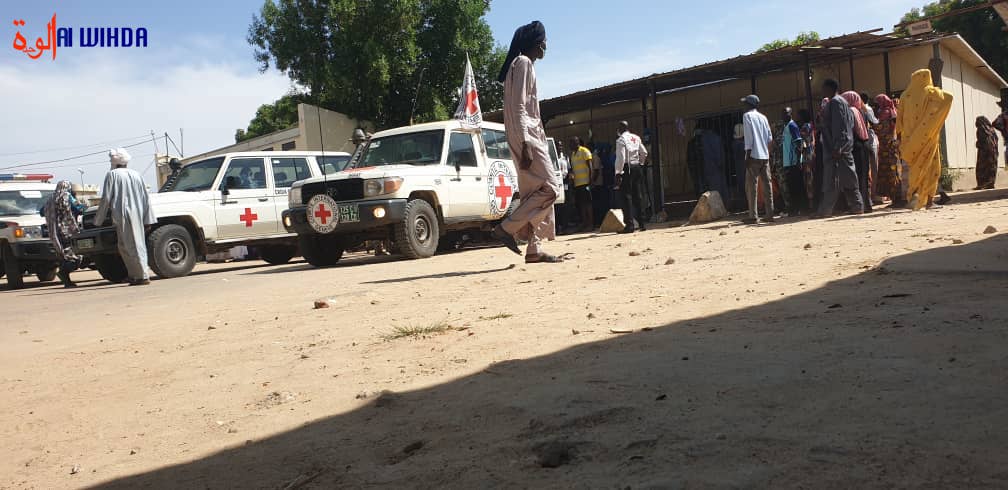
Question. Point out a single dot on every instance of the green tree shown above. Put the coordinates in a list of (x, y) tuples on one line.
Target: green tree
[(983, 29), (369, 59), (281, 114), (801, 39)]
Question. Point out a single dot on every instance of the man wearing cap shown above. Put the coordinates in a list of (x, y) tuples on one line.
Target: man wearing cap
[(124, 196), (534, 219), (758, 138), (1001, 122)]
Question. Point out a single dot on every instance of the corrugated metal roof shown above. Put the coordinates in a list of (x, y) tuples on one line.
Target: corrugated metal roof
[(826, 51)]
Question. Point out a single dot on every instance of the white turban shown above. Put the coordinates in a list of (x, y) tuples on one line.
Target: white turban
[(119, 157)]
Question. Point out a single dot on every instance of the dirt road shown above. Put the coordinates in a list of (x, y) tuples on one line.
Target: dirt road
[(848, 353)]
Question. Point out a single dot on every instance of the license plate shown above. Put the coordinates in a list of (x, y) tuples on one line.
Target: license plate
[(349, 213), (85, 243)]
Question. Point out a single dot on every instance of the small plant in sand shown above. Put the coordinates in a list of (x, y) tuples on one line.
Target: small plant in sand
[(418, 332)]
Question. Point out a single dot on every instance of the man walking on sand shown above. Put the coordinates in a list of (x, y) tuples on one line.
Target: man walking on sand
[(758, 138), (534, 219)]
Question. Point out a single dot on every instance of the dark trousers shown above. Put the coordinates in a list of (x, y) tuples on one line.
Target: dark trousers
[(862, 162), (839, 174), (758, 174), (795, 179), (630, 191)]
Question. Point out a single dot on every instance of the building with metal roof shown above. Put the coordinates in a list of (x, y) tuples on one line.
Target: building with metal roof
[(666, 107)]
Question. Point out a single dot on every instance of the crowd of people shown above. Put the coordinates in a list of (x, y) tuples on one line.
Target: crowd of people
[(871, 150)]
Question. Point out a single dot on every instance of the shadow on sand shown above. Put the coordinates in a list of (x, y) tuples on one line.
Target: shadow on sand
[(892, 378)]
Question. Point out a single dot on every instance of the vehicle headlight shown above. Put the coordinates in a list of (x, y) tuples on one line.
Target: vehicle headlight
[(28, 232), (294, 197), (378, 187)]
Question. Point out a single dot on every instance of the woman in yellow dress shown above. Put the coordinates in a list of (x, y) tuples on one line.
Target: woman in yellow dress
[(923, 109)]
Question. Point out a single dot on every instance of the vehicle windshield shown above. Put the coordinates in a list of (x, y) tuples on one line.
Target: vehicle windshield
[(423, 148), (333, 163), (198, 176), (20, 203)]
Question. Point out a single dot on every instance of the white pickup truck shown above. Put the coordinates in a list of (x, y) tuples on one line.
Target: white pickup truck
[(412, 186), (24, 238), (216, 203)]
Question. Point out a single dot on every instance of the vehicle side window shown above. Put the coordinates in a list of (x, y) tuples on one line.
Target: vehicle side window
[(502, 144), (461, 151), (490, 140), (286, 171), (245, 173), (331, 164), (496, 144)]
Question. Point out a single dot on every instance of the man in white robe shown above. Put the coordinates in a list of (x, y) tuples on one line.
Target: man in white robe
[(539, 187), (124, 196)]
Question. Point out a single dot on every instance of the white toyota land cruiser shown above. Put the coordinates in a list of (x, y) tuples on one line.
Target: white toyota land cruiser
[(24, 239), (217, 203), (412, 186)]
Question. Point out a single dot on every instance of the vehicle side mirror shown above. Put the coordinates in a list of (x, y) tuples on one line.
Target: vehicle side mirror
[(458, 167), (224, 190)]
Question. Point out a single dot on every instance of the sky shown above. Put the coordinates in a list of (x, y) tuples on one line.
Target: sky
[(198, 75)]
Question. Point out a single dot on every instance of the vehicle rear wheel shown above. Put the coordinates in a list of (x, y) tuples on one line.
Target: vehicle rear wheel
[(47, 275), (418, 233), (172, 251), (12, 268), (277, 254), (111, 268), (321, 250)]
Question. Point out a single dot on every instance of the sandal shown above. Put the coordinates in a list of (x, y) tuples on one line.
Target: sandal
[(543, 259), (504, 237)]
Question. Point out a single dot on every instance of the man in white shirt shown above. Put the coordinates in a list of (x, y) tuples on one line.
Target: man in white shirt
[(758, 141), (630, 158)]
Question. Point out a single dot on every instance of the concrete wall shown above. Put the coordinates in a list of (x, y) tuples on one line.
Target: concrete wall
[(337, 129)]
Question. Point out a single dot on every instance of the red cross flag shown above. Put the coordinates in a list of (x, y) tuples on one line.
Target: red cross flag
[(469, 112)]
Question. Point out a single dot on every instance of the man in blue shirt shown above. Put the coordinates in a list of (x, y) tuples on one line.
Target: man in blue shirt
[(758, 141), (794, 178)]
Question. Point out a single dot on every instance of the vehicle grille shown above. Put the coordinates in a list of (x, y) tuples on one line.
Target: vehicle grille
[(339, 190), (87, 221)]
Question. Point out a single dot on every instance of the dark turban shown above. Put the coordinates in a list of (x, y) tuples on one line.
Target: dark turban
[(526, 37)]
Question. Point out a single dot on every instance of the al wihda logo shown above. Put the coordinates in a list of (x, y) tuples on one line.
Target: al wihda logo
[(87, 37)]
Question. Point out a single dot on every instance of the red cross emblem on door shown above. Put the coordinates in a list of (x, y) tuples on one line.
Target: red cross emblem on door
[(322, 213), (503, 191), (248, 217)]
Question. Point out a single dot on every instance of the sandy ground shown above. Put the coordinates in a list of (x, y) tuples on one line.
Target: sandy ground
[(850, 353)]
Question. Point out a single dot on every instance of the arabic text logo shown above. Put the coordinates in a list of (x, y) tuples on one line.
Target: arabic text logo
[(88, 37)]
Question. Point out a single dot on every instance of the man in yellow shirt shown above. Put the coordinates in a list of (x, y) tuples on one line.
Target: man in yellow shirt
[(584, 171)]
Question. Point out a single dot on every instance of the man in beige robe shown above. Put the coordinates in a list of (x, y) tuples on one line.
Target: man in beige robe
[(538, 185)]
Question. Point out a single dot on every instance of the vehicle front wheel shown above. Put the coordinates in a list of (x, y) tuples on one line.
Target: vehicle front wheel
[(172, 253), (419, 232), (12, 268), (277, 254), (321, 250), (47, 275), (111, 268)]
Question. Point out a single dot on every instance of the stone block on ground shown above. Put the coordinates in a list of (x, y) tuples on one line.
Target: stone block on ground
[(709, 208), (613, 222)]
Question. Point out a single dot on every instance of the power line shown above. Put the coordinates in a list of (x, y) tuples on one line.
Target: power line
[(104, 143), (88, 164), (33, 164)]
